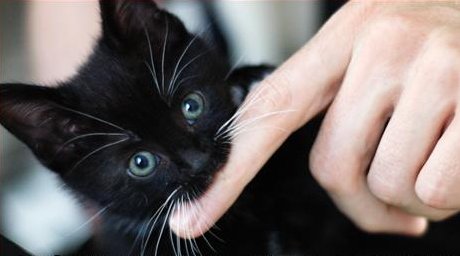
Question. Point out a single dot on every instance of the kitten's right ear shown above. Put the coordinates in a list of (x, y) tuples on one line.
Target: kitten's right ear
[(125, 22), (37, 116)]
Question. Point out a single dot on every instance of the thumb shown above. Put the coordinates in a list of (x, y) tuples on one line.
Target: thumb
[(302, 87)]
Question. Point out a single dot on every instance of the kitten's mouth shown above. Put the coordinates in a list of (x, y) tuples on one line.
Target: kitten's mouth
[(188, 220)]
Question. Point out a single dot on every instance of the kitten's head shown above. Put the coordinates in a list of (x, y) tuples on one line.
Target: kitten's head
[(139, 121)]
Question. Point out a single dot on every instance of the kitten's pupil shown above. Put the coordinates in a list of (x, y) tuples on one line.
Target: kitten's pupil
[(191, 105), (141, 161)]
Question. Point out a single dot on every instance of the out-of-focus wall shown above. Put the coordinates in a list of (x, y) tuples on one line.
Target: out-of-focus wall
[(40, 42)]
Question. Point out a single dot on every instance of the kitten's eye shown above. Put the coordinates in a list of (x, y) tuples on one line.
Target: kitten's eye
[(143, 164), (193, 106)]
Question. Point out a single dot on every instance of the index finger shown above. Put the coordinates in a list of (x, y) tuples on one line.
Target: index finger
[(294, 93)]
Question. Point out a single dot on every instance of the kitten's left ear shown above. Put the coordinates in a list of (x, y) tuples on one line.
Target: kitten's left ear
[(125, 22), (245, 78), (37, 116)]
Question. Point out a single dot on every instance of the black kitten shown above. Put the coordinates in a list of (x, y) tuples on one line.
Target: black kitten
[(136, 126), (135, 133)]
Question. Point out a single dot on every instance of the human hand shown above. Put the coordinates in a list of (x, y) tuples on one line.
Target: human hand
[(379, 60)]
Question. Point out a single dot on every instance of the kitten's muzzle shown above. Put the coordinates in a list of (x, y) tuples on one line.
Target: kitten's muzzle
[(197, 160)]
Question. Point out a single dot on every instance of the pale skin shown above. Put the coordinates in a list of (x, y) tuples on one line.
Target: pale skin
[(387, 75)]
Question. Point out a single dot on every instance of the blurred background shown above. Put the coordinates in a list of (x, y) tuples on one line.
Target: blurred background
[(43, 42)]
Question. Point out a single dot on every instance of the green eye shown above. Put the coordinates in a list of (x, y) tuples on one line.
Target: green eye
[(193, 106), (143, 164)]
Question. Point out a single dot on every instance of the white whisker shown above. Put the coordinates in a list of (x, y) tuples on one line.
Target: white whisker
[(154, 79), (258, 118), (170, 231), (172, 88), (201, 231), (272, 127), (239, 113), (163, 58), (86, 136), (180, 60), (235, 128), (185, 66), (234, 66), (91, 117), (168, 212), (97, 150), (152, 70), (183, 227), (89, 220), (176, 87), (200, 208), (157, 214)]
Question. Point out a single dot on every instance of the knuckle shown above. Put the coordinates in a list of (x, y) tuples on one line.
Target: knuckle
[(323, 171), (333, 177), (390, 28), (431, 193), (443, 50), (383, 181), (384, 189)]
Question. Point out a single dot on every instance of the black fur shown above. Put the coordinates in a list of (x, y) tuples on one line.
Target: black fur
[(121, 91)]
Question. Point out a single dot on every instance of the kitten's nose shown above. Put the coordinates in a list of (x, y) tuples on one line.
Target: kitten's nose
[(196, 159)]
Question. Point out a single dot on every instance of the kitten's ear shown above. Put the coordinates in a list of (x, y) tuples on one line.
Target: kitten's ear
[(125, 22), (37, 117), (242, 80)]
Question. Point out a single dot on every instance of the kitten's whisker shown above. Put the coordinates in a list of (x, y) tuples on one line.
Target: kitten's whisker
[(195, 215), (181, 82), (163, 58), (190, 240), (157, 213), (168, 212), (140, 233), (200, 208), (193, 243), (174, 77), (153, 226), (258, 129), (86, 136), (154, 78), (97, 214), (180, 59), (91, 117), (234, 66), (170, 232), (186, 65), (153, 69), (178, 241), (150, 229), (143, 242), (238, 114), (249, 122), (182, 213), (97, 150)]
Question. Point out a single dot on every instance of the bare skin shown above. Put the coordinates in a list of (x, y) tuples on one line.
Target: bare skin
[(387, 150)]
